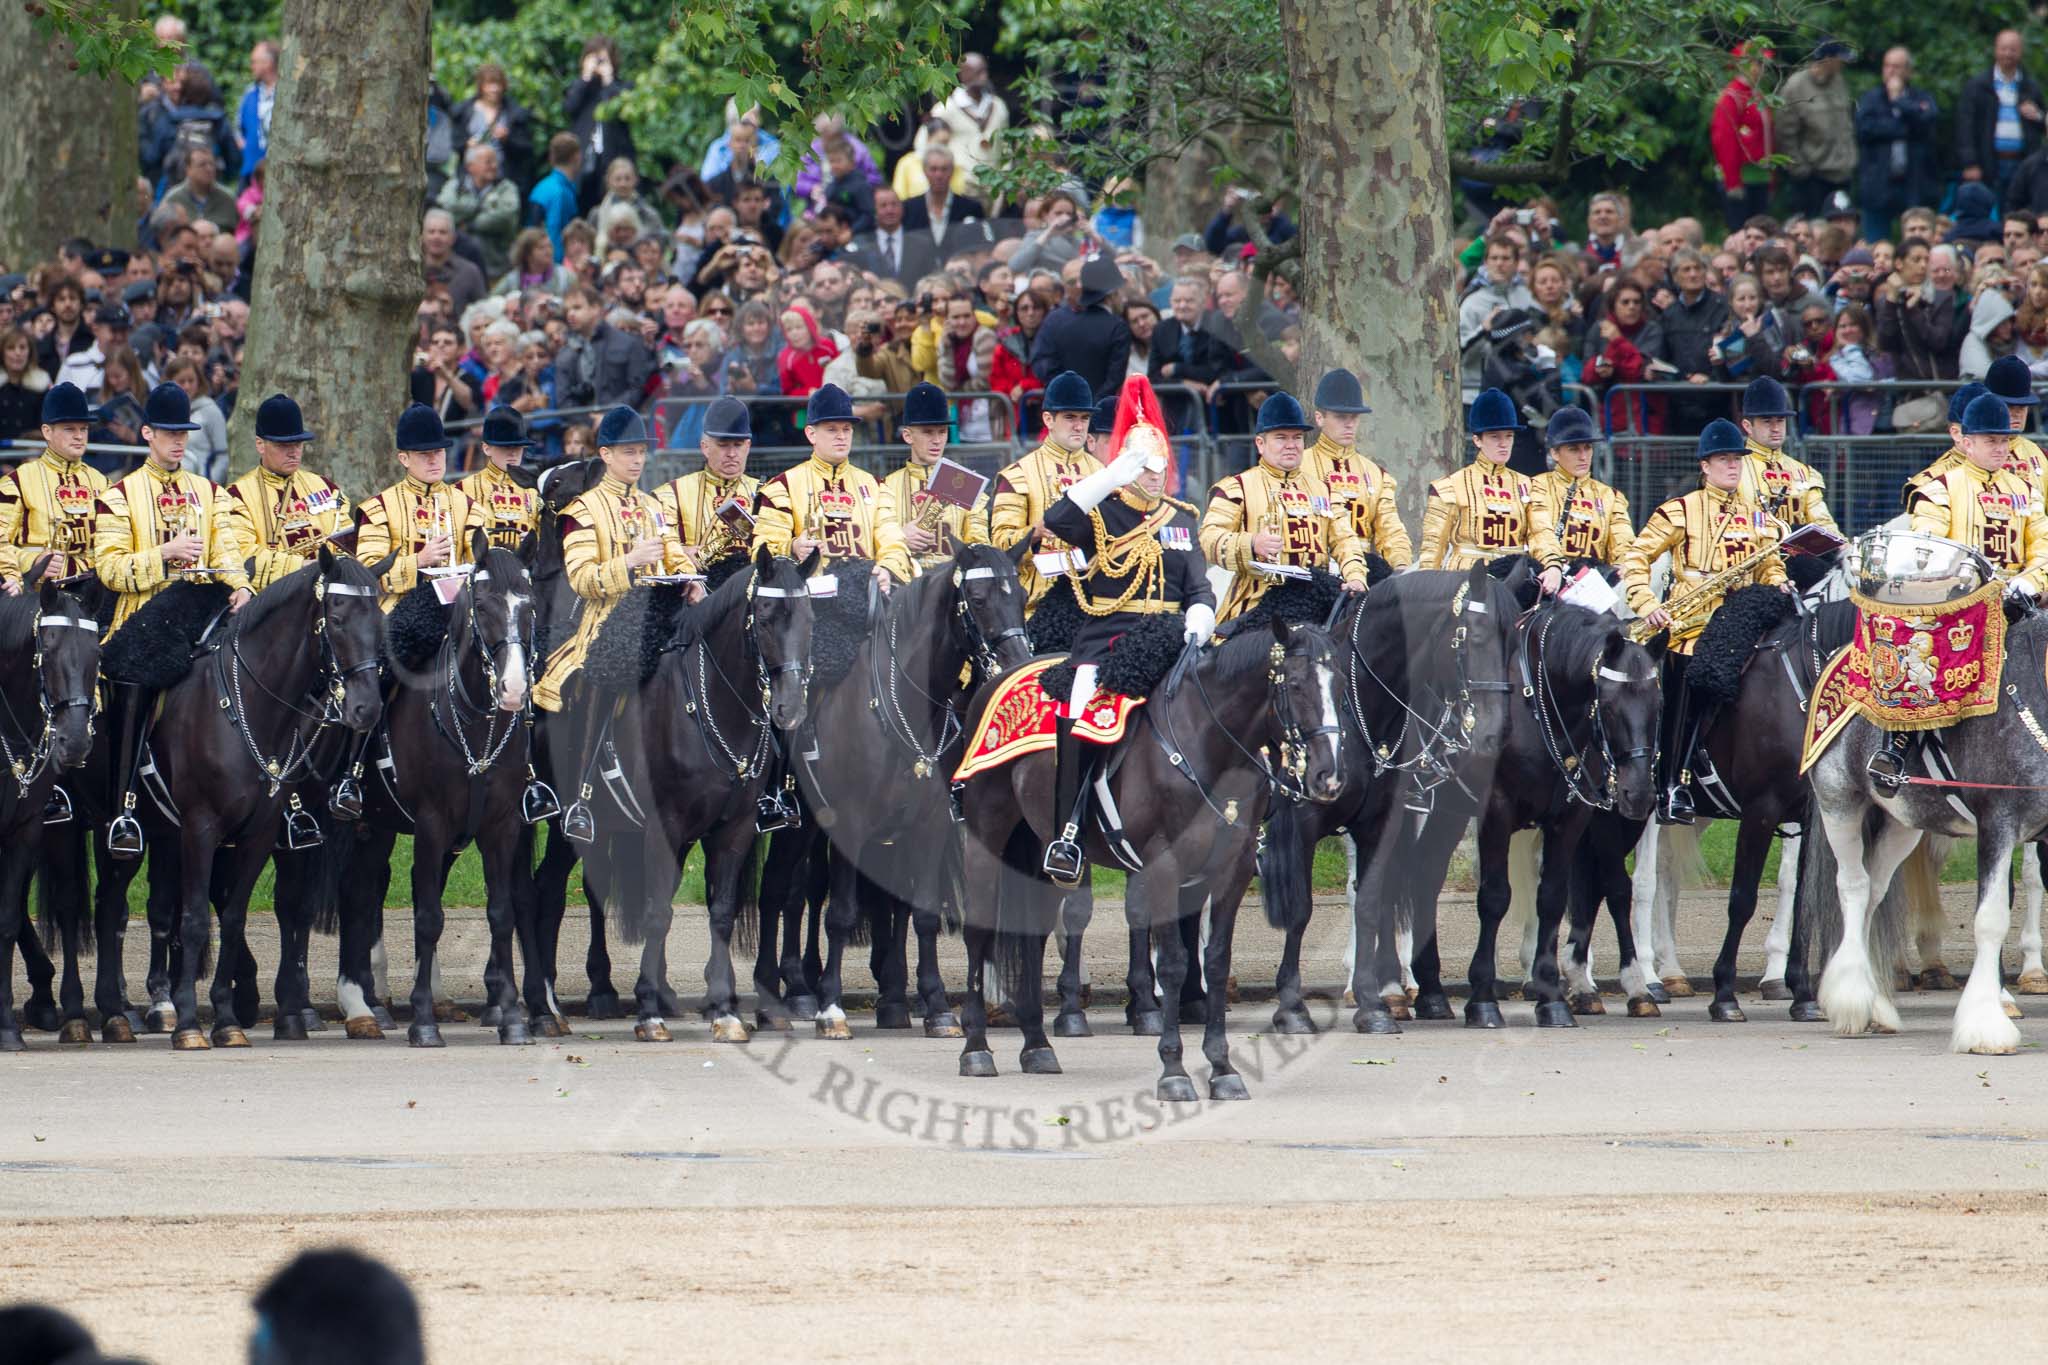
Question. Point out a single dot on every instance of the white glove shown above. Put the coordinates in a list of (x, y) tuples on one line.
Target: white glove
[(1128, 465), (1092, 491), (1201, 623)]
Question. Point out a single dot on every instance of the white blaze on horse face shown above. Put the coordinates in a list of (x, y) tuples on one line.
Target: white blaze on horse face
[(512, 686)]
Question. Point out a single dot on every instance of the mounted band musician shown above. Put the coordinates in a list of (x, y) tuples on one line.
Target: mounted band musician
[(1573, 515), (923, 517), (1026, 489), (156, 528), (502, 492), (420, 521), (1719, 540), (710, 511), (1482, 511), (1357, 485), (47, 505), (1790, 493), (281, 511)]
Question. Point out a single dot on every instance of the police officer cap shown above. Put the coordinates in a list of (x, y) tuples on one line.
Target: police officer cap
[(1339, 391), (1493, 410), (2012, 381), (729, 420), (1570, 427), (1068, 392), (1102, 421), (505, 426), (1282, 412), (621, 427), (279, 420), (1766, 397), (1722, 437), (924, 405), (169, 409), (829, 403), (1959, 401), (66, 403), (419, 428), (1987, 415)]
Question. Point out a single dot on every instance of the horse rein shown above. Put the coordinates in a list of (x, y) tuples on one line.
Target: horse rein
[(744, 769), (29, 766), (494, 740), (1537, 689), (1445, 740), (229, 666)]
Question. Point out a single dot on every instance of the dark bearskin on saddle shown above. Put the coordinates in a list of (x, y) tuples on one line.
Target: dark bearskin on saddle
[(839, 623), (1744, 617), (640, 628), (414, 630), (1139, 659), (154, 646), (719, 570), (1052, 625), (1297, 601)]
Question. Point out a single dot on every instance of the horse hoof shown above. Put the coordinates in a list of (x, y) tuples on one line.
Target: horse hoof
[(1293, 1021), (765, 1022), (364, 1026), (1148, 1023), (1002, 1016), (382, 1014), (980, 1064), (1554, 1014), (2032, 983), (803, 1006), (547, 1026), (134, 1018), (42, 1018), (229, 1035), (1726, 1012), (1230, 996), (1806, 1012), (1038, 1061), (944, 1024), (10, 1040), (650, 1031), (1643, 1007), (424, 1034), (1483, 1014), (117, 1029), (1937, 978), (1656, 994), (1434, 1005), (728, 1029), (75, 1031), (289, 1027), (189, 1040), (1071, 1026), (1680, 987), (1350, 1000), (603, 1005), (161, 1018), (314, 1023), (835, 1029), (2012, 1009), (1228, 1085), (1374, 1021), (448, 1012), (1397, 1005), (514, 1033), (892, 1015), (492, 1017), (1176, 1090), (1587, 1002), (1774, 989)]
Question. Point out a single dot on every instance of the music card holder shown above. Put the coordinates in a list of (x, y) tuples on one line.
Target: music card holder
[(955, 484), (738, 520), (1811, 540)]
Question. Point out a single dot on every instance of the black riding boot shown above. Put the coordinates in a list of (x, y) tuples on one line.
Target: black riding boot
[(578, 822), (131, 708), (1681, 736), (1064, 861)]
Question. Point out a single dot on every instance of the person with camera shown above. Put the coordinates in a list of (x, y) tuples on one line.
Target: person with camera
[(1495, 287), (588, 105), (1065, 235)]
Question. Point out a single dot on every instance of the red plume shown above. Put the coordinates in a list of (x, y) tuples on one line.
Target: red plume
[(1137, 407)]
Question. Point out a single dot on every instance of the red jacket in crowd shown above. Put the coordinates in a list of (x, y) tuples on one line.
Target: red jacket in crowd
[(1741, 131)]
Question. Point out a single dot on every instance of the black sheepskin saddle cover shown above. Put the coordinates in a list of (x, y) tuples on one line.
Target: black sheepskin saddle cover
[(1744, 617), (1296, 601), (415, 629), (839, 623), (720, 570), (1136, 663), (154, 646), (630, 643), (1056, 618)]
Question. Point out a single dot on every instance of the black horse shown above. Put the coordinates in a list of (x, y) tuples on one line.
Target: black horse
[(1581, 739), (1424, 661), (49, 665), (450, 766), (888, 736), (695, 742), (232, 738), (1190, 786)]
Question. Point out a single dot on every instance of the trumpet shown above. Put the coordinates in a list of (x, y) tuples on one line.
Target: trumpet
[(1691, 608), (1273, 523)]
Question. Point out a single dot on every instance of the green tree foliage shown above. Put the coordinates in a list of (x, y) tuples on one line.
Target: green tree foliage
[(100, 37)]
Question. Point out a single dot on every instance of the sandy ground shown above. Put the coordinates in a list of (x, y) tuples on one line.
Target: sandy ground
[(1690, 1188)]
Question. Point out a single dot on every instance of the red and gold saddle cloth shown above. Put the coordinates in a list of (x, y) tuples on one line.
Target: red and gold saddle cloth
[(1020, 719), (1911, 668)]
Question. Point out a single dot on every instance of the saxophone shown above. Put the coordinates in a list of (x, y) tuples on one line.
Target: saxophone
[(1685, 608)]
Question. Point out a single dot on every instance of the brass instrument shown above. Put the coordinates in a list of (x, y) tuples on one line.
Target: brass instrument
[(1684, 608), (1273, 522), (930, 517)]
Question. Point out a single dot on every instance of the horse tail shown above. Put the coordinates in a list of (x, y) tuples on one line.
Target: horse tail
[(1817, 895), (746, 924), (1679, 856), (1284, 880), (1919, 881), (952, 884), (625, 904), (1886, 927), (1018, 919), (330, 869)]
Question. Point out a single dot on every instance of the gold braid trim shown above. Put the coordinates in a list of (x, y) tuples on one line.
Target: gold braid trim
[(1137, 553), (1187, 507)]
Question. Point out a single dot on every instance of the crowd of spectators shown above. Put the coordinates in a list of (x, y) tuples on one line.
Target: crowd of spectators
[(1861, 282)]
